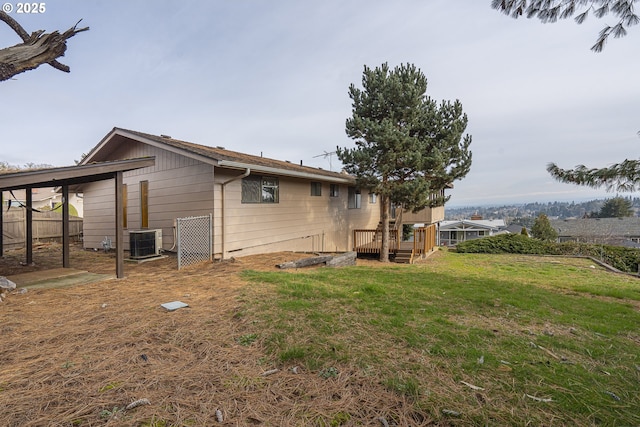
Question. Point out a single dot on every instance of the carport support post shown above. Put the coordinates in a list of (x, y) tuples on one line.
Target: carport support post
[(29, 222), (119, 228), (65, 226)]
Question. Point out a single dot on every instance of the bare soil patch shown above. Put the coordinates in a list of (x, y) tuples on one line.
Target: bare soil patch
[(77, 356)]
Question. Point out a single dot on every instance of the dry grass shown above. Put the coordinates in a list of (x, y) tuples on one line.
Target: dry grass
[(77, 356)]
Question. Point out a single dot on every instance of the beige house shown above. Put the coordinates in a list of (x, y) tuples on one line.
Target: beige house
[(258, 205)]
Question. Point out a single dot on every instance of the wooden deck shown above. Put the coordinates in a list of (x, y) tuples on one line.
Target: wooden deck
[(370, 242)]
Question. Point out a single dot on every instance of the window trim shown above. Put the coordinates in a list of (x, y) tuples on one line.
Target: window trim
[(263, 185), (125, 205), (144, 204), (316, 189), (354, 198)]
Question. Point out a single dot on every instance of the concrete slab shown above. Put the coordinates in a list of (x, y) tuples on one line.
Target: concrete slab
[(56, 278)]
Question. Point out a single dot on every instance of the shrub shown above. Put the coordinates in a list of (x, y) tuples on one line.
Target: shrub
[(624, 259)]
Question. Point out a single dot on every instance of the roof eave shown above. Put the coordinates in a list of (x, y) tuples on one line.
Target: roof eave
[(347, 179)]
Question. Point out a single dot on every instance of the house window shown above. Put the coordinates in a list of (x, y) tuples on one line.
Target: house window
[(334, 190), (124, 206), (373, 197), (260, 189), (316, 189), (144, 204), (355, 198)]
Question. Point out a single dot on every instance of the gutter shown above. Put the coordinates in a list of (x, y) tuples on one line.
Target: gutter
[(284, 172), (224, 184)]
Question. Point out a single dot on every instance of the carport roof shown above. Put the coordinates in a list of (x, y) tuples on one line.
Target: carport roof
[(66, 177), (71, 175)]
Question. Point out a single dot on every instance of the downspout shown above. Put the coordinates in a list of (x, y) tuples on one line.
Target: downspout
[(224, 225)]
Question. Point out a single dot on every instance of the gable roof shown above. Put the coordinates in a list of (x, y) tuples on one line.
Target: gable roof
[(216, 156), (472, 224), (591, 227)]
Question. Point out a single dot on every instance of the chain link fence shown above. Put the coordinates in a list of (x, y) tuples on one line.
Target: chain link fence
[(194, 235)]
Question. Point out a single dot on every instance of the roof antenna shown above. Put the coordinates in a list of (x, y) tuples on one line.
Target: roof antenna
[(329, 155)]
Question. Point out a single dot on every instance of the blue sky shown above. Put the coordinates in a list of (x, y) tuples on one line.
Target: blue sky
[(272, 77)]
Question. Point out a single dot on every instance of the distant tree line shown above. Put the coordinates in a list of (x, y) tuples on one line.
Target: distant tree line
[(7, 167), (525, 214)]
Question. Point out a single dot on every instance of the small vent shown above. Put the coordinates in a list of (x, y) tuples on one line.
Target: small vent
[(166, 136)]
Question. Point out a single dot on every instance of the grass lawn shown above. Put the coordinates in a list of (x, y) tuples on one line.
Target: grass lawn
[(469, 339)]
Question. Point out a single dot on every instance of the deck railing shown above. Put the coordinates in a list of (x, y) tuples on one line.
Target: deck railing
[(424, 240), (370, 241)]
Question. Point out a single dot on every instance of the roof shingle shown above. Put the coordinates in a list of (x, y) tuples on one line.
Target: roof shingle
[(222, 154)]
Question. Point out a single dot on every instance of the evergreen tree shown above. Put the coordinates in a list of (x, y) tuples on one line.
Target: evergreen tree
[(408, 148), (543, 230), (616, 207)]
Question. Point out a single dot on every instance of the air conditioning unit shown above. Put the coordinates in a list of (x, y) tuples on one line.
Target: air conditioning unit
[(145, 243)]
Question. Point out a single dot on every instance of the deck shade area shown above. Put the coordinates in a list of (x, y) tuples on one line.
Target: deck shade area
[(64, 178)]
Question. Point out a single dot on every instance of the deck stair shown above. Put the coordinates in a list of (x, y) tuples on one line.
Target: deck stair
[(404, 256)]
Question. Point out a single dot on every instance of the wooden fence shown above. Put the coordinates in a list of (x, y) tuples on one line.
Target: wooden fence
[(47, 226)]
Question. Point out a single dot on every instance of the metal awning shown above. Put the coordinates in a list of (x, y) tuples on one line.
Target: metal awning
[(65, 177)]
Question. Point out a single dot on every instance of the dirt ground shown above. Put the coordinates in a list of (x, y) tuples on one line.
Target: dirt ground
[(78, 355)]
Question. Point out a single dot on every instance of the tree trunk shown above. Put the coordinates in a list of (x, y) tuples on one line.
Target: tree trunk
[(384, 218), (36, 49)]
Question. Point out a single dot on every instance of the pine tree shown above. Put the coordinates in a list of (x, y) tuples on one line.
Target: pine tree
[(616, 207), (408, 147)]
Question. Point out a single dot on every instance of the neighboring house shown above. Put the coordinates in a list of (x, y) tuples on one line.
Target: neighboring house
[(514, 229), (258, 205), (42, 199), (610, 231), (450, 233)]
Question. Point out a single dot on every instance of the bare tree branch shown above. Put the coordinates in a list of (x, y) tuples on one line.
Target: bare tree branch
[(36, 49)]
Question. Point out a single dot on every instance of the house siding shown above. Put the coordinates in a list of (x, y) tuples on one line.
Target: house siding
[(298, 222), (426, 216), (99, 211), (178, 187)]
